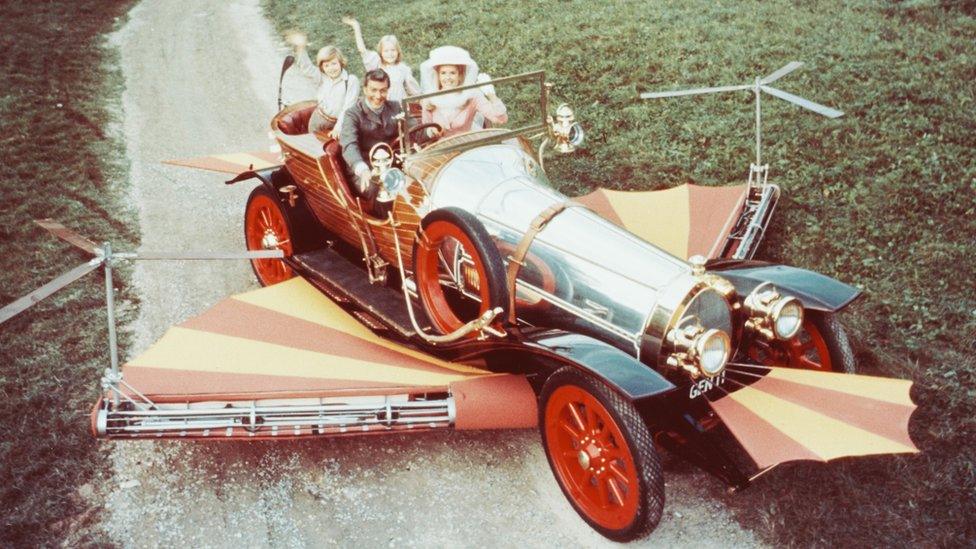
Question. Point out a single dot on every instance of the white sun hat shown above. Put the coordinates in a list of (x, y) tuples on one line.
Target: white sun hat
[(447, 55)]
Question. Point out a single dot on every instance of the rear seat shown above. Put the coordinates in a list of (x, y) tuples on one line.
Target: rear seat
[(295, 123), (295, 126)]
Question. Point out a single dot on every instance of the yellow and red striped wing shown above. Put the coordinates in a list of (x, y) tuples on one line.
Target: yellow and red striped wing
[(793, 414), (289, 340), (234, 163), (685, 220)]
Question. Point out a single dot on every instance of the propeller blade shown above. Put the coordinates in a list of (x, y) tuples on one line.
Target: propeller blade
[(783, 71), (67, 235), (805, 103), (255, 254), (24, 303), (696, 91)]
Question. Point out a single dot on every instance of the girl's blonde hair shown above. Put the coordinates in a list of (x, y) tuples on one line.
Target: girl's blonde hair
[(327, 54), (392, 39)]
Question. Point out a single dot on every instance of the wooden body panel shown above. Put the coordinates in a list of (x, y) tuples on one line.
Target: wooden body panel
[(338, 212)]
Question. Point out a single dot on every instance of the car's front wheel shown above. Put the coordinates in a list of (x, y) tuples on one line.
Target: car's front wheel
[(602, 455), (822, 345)]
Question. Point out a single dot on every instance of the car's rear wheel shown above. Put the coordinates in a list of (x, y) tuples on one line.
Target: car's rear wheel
[(821, 345), (452, 236), (602, 455), (267, 227)]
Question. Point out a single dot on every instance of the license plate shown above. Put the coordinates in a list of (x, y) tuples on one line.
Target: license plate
[(703, 386)]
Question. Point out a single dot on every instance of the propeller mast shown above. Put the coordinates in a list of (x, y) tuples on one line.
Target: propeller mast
[(758, 91)]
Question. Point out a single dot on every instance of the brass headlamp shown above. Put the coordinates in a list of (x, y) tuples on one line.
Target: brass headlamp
[(564, 130), (771, 315), (697, 351), (392, 180)]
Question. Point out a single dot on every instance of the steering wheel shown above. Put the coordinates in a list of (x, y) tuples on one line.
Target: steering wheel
[(425, 126)]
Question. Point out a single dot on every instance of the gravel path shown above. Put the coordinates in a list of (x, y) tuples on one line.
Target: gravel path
[(200, 78)]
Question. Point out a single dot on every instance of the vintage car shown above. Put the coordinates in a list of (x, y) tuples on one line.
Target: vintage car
[(621, 340), (619, 331)]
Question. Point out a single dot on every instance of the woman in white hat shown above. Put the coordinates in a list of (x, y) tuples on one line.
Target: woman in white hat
[(451, 67), (337, 89), (389, 57)]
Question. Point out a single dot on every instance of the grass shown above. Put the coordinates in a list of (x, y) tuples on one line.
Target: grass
[(883, 198), (59, 160)]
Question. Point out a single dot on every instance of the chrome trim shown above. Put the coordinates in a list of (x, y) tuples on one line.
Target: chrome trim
[(332, 415)]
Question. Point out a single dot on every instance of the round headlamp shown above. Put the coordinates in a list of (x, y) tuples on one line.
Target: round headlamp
[(787, 316), (773, 315), (712, 349)]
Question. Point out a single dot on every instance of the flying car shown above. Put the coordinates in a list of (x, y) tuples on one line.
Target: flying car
[(473, 294)]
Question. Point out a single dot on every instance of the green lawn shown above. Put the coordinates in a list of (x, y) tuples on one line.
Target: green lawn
[(59, 161), (883, 198)]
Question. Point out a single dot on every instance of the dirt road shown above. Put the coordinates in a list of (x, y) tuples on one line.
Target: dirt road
[(201, 78)]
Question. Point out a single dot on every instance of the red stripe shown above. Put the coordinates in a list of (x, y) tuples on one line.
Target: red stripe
[(191, 385), (884, 419), (599, 203), (710, 209), (232, 317), (764, 443)]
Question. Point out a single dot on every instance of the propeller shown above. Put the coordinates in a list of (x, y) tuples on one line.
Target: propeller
[(103, 256), (760, 85)]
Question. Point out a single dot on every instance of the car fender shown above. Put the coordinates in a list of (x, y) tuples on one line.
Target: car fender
[(272, 178), (816, 291), (623, 372)]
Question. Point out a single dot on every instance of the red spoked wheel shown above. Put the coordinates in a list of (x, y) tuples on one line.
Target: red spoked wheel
[(449, 233), (821, 345), (602, 455), (266, 227)]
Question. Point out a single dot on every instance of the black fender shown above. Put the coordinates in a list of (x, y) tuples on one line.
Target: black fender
[(816, 291), (273, 178), (309, 233), (624, 373)]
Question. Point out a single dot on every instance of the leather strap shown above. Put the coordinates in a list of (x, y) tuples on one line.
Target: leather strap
[(516, 260)]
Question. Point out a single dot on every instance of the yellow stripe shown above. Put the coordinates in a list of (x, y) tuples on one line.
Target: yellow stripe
[(185, 349), (825, 436), (245, 160), (659, 217), (895, 391), (299, 299)]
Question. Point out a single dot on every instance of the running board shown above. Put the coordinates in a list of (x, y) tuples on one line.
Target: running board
[(285, 418)]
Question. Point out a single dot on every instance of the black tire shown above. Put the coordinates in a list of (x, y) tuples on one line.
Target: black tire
[(838, 344), (484, 252), (647, 467)]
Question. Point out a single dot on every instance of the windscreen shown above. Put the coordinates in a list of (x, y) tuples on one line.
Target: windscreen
[(513, 103)]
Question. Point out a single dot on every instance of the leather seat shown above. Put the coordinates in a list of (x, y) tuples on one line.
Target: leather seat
[(337, 166), (296, 122)]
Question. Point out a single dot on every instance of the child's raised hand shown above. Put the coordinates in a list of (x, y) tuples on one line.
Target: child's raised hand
[(351, 21), (296, 39)]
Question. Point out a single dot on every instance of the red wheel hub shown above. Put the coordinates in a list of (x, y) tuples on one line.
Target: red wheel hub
[(808, 350), (591, 457), (265, 228), (441, 235)]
